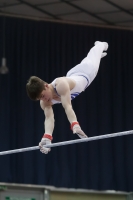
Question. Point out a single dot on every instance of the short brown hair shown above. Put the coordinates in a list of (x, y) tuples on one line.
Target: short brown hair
[(34, 87)]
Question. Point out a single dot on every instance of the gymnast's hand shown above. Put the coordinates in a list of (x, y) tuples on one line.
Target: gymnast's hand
[(77, 129), (46, 140)]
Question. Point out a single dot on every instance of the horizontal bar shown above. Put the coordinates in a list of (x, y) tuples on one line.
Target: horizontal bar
[(69, 142)]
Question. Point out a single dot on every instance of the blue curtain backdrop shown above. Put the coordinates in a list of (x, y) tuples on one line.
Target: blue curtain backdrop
[(49, 50)]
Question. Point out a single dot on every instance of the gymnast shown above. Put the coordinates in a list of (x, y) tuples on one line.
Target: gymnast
[(63, 90)]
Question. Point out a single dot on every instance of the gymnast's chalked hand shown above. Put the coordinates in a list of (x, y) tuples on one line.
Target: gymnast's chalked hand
[(77, 129), (46, 140)]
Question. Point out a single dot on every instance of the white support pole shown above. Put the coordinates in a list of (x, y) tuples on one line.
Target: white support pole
[(100, 137)]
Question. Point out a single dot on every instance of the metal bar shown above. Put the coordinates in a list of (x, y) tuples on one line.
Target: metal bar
[(87, 12), (69, 142), (38, 8), (119, 7)]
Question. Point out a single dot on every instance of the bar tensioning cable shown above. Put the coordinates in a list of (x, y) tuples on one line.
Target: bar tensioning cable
[(100, 137)]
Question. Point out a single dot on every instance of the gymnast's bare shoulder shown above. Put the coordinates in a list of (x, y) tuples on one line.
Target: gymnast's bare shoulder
[(44, 105), (62, 81)]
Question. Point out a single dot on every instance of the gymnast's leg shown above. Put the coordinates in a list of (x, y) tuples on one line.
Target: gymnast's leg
[(90, 64), (95, 54)]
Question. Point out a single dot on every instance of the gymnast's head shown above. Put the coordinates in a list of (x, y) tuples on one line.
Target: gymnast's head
[(34, 87)]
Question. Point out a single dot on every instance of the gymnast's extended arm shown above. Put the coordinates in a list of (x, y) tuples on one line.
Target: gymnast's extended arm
[(64, 91), (48, 126)]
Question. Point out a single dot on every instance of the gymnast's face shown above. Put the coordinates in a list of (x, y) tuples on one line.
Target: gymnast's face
[(46, 95)]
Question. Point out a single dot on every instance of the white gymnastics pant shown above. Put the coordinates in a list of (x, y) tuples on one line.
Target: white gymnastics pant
[(89, 66)]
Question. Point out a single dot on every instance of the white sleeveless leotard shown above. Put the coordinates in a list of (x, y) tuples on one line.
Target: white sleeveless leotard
[(85, 72)]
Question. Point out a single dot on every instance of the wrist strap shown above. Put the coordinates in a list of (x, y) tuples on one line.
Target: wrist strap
[(72, 125), (47, 136)]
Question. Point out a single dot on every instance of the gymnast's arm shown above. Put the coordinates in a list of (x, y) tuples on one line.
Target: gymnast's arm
[(48, 126), (49, 118), (64, 91)]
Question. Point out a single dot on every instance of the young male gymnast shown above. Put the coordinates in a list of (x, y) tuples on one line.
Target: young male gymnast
[(63, 90)]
